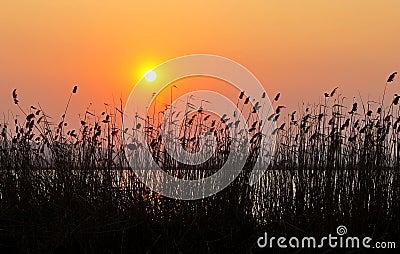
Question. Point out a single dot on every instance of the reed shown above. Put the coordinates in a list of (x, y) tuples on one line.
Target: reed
[(73, 190)]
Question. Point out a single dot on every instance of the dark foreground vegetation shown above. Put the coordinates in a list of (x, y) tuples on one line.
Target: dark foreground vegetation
[(72, 191)]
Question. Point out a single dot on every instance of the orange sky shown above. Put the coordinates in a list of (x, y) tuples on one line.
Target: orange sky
[(299, 48)]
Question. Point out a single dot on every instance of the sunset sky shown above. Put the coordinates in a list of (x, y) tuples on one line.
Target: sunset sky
[(298, 48)]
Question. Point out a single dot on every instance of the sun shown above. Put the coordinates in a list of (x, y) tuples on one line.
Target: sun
[(150, 75)]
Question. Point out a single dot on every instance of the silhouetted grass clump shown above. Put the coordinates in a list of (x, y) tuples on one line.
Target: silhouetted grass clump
[(73, 189)]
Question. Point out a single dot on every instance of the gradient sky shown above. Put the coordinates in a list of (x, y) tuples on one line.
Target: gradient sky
[(298, 48)]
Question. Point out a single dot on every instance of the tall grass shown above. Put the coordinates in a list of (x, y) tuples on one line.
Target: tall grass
[(74, 189)]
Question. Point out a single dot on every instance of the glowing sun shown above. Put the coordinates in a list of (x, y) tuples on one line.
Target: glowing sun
[(150, 76)]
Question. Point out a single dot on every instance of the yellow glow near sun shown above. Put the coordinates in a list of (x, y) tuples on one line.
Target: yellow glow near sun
[(143, 69), (150, 75)]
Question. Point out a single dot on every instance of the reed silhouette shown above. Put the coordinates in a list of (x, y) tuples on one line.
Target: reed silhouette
[(75, 191)]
